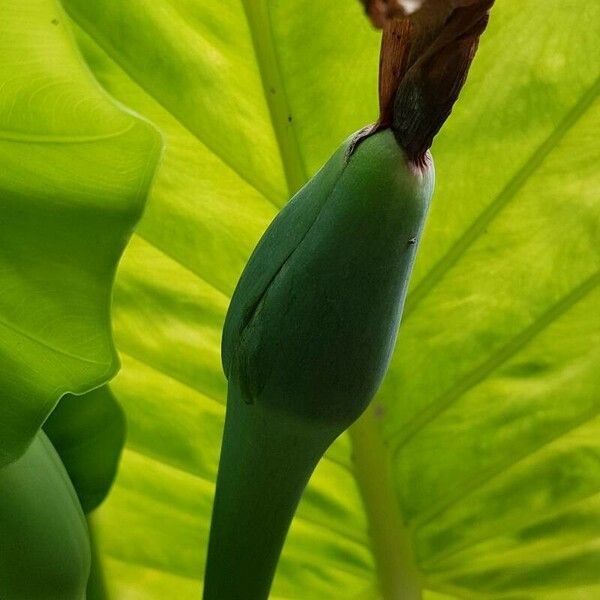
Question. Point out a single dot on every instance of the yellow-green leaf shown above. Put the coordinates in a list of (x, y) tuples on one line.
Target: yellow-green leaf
[(488, 414), (75, 168)]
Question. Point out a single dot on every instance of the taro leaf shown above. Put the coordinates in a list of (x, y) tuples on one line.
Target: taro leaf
[(74, 171), (489, 411), (88, 432)]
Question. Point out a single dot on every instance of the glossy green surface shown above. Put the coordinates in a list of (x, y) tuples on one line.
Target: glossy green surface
[(313, 321), (490, 407), (88, 433), (306, 342), (75, 169), (45, 551)]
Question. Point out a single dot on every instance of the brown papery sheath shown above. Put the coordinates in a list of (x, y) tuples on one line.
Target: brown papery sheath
[(424, 62)]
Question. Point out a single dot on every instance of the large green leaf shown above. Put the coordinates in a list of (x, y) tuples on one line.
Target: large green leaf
[(88, 433), (488, 415), (75, 169)]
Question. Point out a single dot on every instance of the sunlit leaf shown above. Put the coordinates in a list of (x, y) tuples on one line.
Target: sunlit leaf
[(74, 172), (489, 411)]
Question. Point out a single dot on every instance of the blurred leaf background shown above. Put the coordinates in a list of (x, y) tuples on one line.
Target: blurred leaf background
[(489, 414)]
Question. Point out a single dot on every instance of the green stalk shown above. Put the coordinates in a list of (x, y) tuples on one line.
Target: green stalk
[(261, 478), (261, 30), (399, 577), (96, 586), (306, 342), (312, 323)]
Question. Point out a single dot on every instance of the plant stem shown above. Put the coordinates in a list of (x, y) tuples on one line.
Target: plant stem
[(399, 578), (259, 23), (96, 589), (266, 461)]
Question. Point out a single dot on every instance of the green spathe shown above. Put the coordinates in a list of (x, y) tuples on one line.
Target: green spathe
[(44, 544), (314, 317), (307, 340)]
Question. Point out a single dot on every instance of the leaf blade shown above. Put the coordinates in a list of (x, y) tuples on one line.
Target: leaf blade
[(76, 169), (174, 345)]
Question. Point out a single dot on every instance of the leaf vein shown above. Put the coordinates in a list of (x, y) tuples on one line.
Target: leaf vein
[(16, 329), (512, 188), (34, 138), (261, 30), (506, 529), (505, 353), (487, 475), (110, 51)]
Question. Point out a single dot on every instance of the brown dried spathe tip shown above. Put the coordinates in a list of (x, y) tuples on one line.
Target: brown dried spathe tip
[(424, 61), (393, 64), (382, 11), (431, 85)]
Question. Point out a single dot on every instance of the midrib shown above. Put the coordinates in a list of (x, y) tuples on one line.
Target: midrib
[(397, 571), (261, 30)]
